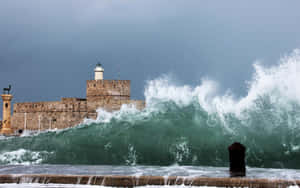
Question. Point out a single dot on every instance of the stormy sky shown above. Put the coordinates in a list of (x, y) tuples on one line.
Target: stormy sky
[(48, 49)]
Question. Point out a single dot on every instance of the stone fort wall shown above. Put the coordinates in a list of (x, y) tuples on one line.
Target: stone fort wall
[(49, 115), (106, 94)]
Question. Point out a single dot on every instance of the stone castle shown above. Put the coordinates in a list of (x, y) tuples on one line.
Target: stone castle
[(109, 95)]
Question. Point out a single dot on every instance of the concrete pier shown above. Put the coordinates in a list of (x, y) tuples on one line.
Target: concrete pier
[(131, 181)]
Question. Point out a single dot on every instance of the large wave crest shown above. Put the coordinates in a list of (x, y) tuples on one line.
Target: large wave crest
[(187, 125)]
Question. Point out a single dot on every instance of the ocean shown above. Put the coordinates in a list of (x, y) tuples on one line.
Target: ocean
[(182, 126)]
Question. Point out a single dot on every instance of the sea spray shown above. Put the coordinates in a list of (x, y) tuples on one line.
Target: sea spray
[(22, 156), (187, 125)]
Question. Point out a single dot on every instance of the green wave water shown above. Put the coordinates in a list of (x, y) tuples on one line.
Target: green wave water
[(183, 125)]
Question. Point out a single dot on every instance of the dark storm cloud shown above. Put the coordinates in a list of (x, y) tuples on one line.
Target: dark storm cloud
[(49, 48)]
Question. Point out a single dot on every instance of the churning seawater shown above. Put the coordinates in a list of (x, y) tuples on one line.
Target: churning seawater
[(182, 125)]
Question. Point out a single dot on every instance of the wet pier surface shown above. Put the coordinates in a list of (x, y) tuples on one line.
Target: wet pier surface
[(175, 170), (129, 176), (133, 181)]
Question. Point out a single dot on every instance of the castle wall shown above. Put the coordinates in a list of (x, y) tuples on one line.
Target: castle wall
[(46, 120), (49, 115), (66, 105), (109, 103), (107, 94)]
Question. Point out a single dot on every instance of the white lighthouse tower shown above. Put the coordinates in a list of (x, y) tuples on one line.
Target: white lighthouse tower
[(99, 72)]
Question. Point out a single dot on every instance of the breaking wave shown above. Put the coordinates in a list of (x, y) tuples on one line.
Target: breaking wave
[(186, 125), (22, 156)]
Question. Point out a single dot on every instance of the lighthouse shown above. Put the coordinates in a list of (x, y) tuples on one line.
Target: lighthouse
[(99, 72)]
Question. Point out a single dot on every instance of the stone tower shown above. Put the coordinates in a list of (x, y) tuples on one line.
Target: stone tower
[(6, 124), (106, 94)]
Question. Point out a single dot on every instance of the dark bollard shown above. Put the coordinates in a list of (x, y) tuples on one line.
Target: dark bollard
[(237, 160)]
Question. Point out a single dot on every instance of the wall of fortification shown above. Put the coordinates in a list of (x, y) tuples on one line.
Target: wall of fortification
[(49, 115), (60, 118), (66, 105), (109, 95), (109, 103), (46, 120), (108, 88)]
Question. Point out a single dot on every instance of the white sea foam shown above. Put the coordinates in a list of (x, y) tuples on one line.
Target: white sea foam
[(180, 149), (22, 156), (132, 156), (280, 82), (106, 117)]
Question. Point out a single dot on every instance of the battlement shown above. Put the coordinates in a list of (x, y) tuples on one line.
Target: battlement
[(108, 88)]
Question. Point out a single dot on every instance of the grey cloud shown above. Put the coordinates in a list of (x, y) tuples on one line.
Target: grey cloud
[(49, 48)]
